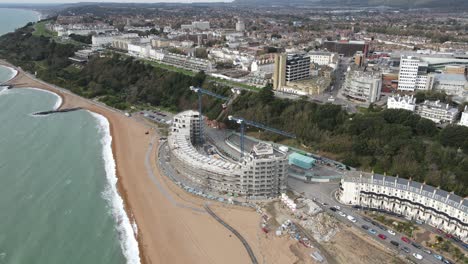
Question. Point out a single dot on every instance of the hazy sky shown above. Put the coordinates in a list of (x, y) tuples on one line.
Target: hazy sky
[(128, 1)]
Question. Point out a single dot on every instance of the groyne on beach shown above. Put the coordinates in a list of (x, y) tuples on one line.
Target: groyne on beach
[(59, 111)]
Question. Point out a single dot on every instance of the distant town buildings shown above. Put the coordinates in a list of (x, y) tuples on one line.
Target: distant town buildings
[(83, 30), (240, 26), (346, 48), (196, 25), (323, 58)]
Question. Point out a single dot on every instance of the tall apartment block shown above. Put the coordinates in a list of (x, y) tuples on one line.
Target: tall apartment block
[(413, 75), (290, 68)]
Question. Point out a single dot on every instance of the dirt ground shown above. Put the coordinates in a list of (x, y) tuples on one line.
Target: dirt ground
[(349, 247)]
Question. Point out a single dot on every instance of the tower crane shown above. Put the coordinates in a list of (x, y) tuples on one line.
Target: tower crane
[(200, 92), (242, 122)]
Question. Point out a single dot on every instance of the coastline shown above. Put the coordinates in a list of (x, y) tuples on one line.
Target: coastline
[(169, 229), (120, 208)]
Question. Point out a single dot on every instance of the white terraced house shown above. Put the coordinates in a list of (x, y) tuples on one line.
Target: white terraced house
[(418, 201)]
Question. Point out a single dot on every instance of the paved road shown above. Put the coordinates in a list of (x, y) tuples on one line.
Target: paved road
[(324, 194)]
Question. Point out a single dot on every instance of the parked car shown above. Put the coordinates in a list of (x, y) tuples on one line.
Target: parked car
[(337, 207), (416, 245), (365, 227), (333, 209), (352, 219), (446, 261), (437, 256), (406, 249), (396, 244), (417, 256), (406, 240), (342, 214), (382, 236), (391, 232), (427, 251), (366, 219)]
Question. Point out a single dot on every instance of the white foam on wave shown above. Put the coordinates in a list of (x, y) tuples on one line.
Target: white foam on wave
[(125, 228)]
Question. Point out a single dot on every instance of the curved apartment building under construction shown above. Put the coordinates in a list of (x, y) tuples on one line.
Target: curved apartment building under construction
[(262, 173)]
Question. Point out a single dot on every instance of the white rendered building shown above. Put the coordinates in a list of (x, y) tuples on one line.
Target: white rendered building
[(240, 26), (102, 40), (464, 118), (437, 112), (402, 102), (363, 86), (262, 173), (323, 58), (431, 205), (413, 75)]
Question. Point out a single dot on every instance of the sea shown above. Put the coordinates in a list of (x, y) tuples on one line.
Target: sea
[(58, 196)]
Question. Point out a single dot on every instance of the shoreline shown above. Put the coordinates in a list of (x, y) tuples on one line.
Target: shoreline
[(172, 225), (120, 191)]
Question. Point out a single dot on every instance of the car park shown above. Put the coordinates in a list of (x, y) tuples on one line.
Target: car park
[(382, 236), (406, 240), (406, 249), (417, 256), (391, 232), (372, 231)]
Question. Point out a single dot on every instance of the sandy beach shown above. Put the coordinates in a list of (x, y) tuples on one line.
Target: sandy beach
[(172, 225)]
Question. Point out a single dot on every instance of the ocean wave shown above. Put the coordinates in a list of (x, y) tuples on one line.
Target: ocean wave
[(125, 228)]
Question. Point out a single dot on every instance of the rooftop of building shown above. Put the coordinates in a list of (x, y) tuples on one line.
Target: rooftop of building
[(450, 77), (439, 105), (405, 98), (409, 185)]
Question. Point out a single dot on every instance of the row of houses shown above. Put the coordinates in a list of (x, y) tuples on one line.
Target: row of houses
[(416, 201)]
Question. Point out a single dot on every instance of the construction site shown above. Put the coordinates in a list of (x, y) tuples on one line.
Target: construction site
[(228, 163)]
